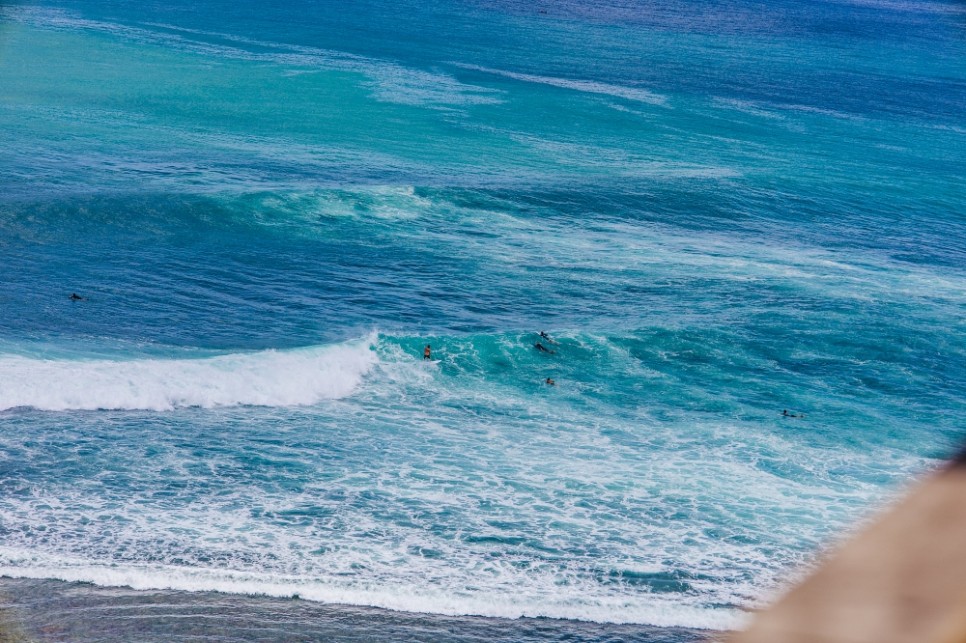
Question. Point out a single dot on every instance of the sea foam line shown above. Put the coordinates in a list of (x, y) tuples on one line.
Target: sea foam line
[(641, 610), (265, 378), (587, 86)]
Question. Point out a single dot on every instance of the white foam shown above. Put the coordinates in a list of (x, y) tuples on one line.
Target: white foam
[(647, 609), (264, 378), (588, 86), (463, 486)]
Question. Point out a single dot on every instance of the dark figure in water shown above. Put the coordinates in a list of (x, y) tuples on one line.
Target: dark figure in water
[(75, 297), (551, 382), (541, 347), (547, 337), (785, 413), (427, 353)]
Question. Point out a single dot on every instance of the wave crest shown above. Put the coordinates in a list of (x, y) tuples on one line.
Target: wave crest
[(265, 378)]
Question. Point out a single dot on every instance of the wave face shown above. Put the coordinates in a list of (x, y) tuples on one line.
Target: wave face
[(270, 211)]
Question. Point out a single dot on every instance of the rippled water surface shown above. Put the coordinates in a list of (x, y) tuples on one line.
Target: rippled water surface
[(715, 214)]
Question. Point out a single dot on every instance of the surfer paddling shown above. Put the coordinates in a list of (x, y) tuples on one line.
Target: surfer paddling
[(75, 297)]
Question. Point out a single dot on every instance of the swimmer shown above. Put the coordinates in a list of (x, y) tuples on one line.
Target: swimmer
[(786, 414), (427, 353), (550, 381), (547, 337), (541, 347), (75, 297)]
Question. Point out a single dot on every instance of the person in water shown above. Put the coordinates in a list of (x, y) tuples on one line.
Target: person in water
[(550, 381), (75, 297), (541, 347), (785, 413), (547, 337), (427, 353)]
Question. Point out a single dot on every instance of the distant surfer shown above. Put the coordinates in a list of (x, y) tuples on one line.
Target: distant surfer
[(786, 414), (547, 337), (75, 297), (427, 353), (542, 348), (550, 382)]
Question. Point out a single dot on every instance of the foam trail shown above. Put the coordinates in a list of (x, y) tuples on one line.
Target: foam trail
[(588, 86), (265, 378), (645, 610)]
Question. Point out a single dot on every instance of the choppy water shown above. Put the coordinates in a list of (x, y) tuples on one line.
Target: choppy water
[(717, 212)]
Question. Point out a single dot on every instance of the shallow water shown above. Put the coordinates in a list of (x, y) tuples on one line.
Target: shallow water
[(56, 611)]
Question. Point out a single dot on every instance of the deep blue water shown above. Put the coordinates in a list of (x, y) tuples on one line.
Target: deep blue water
[(716, 210)]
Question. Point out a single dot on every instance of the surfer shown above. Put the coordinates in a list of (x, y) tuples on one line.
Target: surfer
[(75, 297), (786, 414), (541, 347), (547, 337), (550, 381), (427, 353)]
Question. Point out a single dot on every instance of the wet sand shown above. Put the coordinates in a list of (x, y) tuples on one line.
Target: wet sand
[(44, 610)]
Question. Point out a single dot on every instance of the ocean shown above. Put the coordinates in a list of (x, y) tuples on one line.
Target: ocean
[(716, 213)]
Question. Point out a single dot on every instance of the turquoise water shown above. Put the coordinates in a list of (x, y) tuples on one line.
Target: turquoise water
[(717, 212)]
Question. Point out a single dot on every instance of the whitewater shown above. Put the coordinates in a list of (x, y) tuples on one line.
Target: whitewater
[(714, 215)]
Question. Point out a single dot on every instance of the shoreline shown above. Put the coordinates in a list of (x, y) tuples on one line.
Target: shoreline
[(50, 610)]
